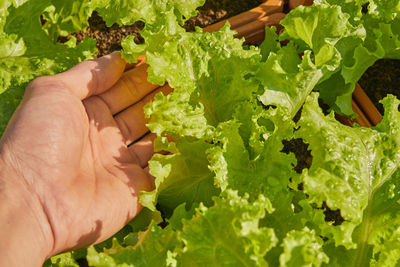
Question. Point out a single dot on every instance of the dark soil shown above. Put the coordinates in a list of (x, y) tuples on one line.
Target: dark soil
[(381, 79), (108, 38), (332, 216), (300, 150)]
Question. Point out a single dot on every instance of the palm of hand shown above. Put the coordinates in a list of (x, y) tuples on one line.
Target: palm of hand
[(74, 157)]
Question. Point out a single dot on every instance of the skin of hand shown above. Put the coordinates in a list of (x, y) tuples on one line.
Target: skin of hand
[(67, 176)]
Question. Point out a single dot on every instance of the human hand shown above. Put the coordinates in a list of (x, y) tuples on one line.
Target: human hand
[(65, 161)]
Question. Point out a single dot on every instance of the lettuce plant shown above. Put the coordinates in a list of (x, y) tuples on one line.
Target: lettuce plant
[(227, 194)]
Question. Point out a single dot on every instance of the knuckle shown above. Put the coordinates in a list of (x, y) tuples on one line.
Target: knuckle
[(97, 76), (45, 83), (95, 82)]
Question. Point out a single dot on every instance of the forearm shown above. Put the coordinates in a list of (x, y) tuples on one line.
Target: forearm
[(24, 231)]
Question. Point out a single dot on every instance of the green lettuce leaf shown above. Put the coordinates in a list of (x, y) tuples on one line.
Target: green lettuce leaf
[(163, 20), (214, 76), (266, 170), (164, 121), (182, 177), (153, 249), (254, 165), (287, 79), (196, 55), (302, 248), (270, 43), (351, 7), (129, 234), (345, 42), (227, 233), (153, 12), (320, 27), (64, 17), (384, 9), (63, 260), (356, 170), (206, 94), (331, 36)]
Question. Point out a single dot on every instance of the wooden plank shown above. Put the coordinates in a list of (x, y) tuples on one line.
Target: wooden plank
[(267, 8), (254, 32), (366, 105)]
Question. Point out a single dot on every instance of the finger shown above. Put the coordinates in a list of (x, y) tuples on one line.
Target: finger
[(107, 146), (105, 135), (132, 87), (144, 149), (132, 121), (118, 174), (93, 77)]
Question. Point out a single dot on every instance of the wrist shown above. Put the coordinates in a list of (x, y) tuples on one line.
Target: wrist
[(23, 222)]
